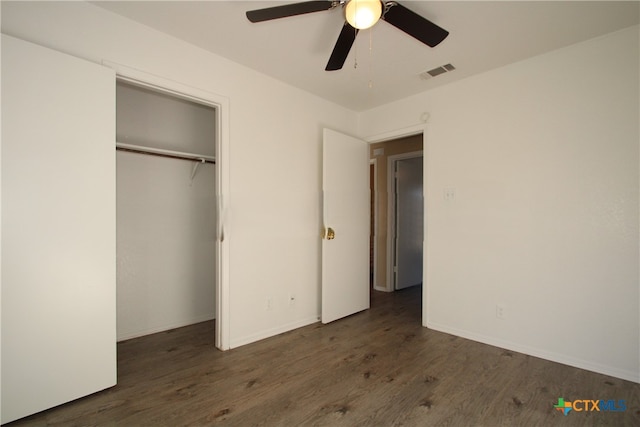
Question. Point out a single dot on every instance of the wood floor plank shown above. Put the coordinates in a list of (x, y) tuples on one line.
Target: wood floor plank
[(376, 368)]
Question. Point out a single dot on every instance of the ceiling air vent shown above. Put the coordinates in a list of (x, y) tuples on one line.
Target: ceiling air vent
[(437, 71)]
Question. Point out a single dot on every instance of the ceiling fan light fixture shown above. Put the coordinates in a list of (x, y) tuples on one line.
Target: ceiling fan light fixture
[(360, 15), (363, 14)]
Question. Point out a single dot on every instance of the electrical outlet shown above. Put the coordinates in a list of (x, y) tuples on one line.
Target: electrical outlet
[(292, 300), (269, 304), (500, 312)]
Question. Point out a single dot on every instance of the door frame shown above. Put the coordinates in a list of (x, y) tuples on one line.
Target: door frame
[(221, 105), (419, 129), (391, 212), (374, 200)]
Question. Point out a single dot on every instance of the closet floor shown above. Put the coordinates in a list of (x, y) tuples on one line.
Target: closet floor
[(376, 368)]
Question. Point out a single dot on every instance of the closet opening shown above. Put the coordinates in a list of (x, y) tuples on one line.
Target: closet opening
[(166, 210)]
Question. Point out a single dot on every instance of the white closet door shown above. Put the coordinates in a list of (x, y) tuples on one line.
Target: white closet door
[(58, 228)]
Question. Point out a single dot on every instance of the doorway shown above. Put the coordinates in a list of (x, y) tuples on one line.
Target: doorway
[(383, 156), (165, 211), (220, 105)]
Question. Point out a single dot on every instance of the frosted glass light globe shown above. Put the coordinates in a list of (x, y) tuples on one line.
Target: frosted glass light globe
[(363, 14)]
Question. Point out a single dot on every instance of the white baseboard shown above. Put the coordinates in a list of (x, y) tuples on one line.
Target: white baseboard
[(543, 354), (272, 332), (127, 335)]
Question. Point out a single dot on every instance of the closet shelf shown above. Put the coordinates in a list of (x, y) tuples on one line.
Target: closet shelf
[(165, 153)]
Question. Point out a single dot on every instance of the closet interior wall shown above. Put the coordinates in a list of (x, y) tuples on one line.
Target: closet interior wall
[(166, 213)]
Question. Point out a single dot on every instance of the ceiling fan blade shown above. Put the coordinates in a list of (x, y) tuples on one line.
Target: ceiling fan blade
[(287, 10), (341, 49), (415, 25)]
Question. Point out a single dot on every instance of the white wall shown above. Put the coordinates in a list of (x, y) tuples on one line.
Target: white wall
[(160, 120), (275, 145), (543, 157), (166, 232)]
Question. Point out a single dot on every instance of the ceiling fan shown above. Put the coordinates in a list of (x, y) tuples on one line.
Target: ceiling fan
[(360, 14)]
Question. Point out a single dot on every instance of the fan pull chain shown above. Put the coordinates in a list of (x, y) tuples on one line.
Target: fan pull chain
[(370, 58), (355, 53)]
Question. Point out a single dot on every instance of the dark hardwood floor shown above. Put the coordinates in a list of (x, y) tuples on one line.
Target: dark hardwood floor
[(376, 368)]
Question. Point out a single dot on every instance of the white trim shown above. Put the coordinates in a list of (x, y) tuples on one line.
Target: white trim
[(396, 134), (374, 271), (147, 331), (391, 214), (273, 331), (222, 108)]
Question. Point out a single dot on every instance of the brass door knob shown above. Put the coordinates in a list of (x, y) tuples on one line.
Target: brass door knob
[(331, 234)]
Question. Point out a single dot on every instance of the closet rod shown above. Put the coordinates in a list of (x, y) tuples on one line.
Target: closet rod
[(164, 153)]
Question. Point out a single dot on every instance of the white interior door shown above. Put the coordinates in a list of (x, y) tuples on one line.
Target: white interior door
[(58, 228), (345, 246), (409, 222)]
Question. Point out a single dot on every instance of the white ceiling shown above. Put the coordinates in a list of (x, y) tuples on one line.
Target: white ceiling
[(483, 35)]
